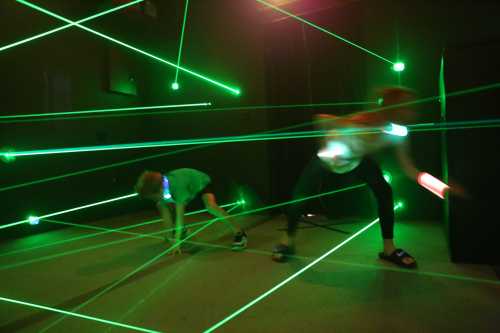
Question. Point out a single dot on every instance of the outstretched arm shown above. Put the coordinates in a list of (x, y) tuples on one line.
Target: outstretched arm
[(406, 162), (165, 214)]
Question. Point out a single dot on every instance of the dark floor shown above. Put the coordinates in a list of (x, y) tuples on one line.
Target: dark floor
[(350, 291)]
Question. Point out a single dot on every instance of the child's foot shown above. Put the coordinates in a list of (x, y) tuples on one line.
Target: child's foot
[(281, 252), (240, 241)]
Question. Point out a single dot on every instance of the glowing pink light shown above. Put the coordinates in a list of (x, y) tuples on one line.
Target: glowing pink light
[(432, 184)]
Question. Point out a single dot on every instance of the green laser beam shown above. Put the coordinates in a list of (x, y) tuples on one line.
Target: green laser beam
[(104, 167), (181, 43), (99, 246), (122, 231), (330, 261), (232, 139), (155, 144), (290, 278), (235, 91), (127, 162), (56, 114), (256, 210), (47, 33), (78, 315), (76, 251), (71, 210), (158, 113), (104, 232), (315, 26), (63, 176), (154, 291), (135, 271)]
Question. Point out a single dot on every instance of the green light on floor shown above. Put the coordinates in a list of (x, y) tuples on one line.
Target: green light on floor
[(74, 314), (233, 90), (175, 86), (290, 278), (33, 220), (387, 176), (398, 67)]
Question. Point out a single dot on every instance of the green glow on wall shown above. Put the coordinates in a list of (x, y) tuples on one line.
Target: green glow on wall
[(47, 33), (315, 26), (78, 315), (233, 90)]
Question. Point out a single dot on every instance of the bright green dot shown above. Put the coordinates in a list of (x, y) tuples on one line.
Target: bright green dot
[(7, 155), (380, 101), (175, 86), (33, 220), (400, 204), (398, 67), (387, 176)]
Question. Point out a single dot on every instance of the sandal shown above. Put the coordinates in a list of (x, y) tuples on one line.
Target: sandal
[(281, 252), (397, 257)]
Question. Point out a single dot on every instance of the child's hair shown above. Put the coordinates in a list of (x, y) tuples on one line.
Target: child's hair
[(396, 95), (149, 183)]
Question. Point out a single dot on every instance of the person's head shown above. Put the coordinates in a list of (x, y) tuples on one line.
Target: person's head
[(398, 100), (150, 185)]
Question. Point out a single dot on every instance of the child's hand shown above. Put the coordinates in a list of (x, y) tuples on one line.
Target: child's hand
[(176, 250), (458, 190)]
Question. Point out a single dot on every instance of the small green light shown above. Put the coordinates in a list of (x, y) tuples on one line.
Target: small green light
[(33, 220), (380, 101), (175, 86), (398, 67), (400, 204), (387, 176), (6, 155)]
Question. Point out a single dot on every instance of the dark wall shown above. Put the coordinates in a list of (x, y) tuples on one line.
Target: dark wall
[(70, 71), (307, 66)]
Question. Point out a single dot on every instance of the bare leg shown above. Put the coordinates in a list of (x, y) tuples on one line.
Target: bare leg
[(214, 209)]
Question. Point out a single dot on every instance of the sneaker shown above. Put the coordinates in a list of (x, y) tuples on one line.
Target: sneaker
[(240, 241), (282, 252)]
